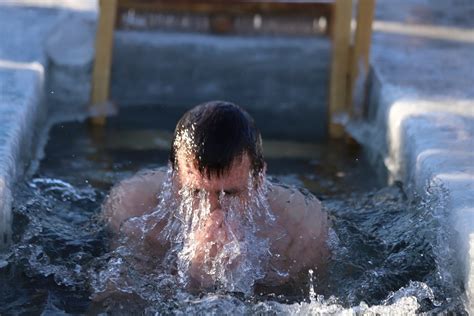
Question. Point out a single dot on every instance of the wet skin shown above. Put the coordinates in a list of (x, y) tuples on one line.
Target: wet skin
[(297, 237)]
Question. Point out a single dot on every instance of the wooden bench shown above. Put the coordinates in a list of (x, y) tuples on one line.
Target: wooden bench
[(347, 60)]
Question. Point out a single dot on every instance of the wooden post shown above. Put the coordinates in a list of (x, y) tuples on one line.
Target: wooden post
[(341, 36), (103, 60), (360, 57)]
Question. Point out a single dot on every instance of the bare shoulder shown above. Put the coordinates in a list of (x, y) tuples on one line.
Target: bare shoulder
[(294, 204), (132, 197), (306, 225)]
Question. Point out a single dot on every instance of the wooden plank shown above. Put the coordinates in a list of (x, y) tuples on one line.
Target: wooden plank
[(339, 65), (340, 31), (103, 60), (302, 7), (360, 57)]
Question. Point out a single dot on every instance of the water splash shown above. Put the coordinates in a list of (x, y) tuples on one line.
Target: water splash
[(386, 255), (63, 189), (222, 250)]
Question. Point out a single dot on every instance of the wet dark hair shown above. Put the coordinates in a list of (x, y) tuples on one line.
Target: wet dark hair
[(217, 133)]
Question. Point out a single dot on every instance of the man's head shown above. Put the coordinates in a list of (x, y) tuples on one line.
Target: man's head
[(215, 134), (217, 160), (216, 146)]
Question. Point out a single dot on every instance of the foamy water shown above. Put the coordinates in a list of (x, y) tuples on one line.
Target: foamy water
[(232, 258), (377, 266)]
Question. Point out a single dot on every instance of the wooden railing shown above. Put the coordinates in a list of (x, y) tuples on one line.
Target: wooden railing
[(349, 61)]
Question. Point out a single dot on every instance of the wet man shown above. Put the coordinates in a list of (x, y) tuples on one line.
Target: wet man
[(214, 216)]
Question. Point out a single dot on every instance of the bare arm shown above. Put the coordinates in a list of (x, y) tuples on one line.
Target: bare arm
[(132, 197)]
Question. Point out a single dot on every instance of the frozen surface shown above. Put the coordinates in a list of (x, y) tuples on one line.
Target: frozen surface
[(21, 85), (25, 28), (421, 121)]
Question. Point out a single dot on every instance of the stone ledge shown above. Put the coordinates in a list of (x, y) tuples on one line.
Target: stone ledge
[(21, 89), (428, 145), (23, 66)]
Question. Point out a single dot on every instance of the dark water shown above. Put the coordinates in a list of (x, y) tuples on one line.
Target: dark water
[(390, 253)]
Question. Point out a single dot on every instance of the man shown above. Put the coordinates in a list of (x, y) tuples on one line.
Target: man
[(214, 215)]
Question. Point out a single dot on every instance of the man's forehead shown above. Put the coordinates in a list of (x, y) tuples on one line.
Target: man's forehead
[(236, 175)]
